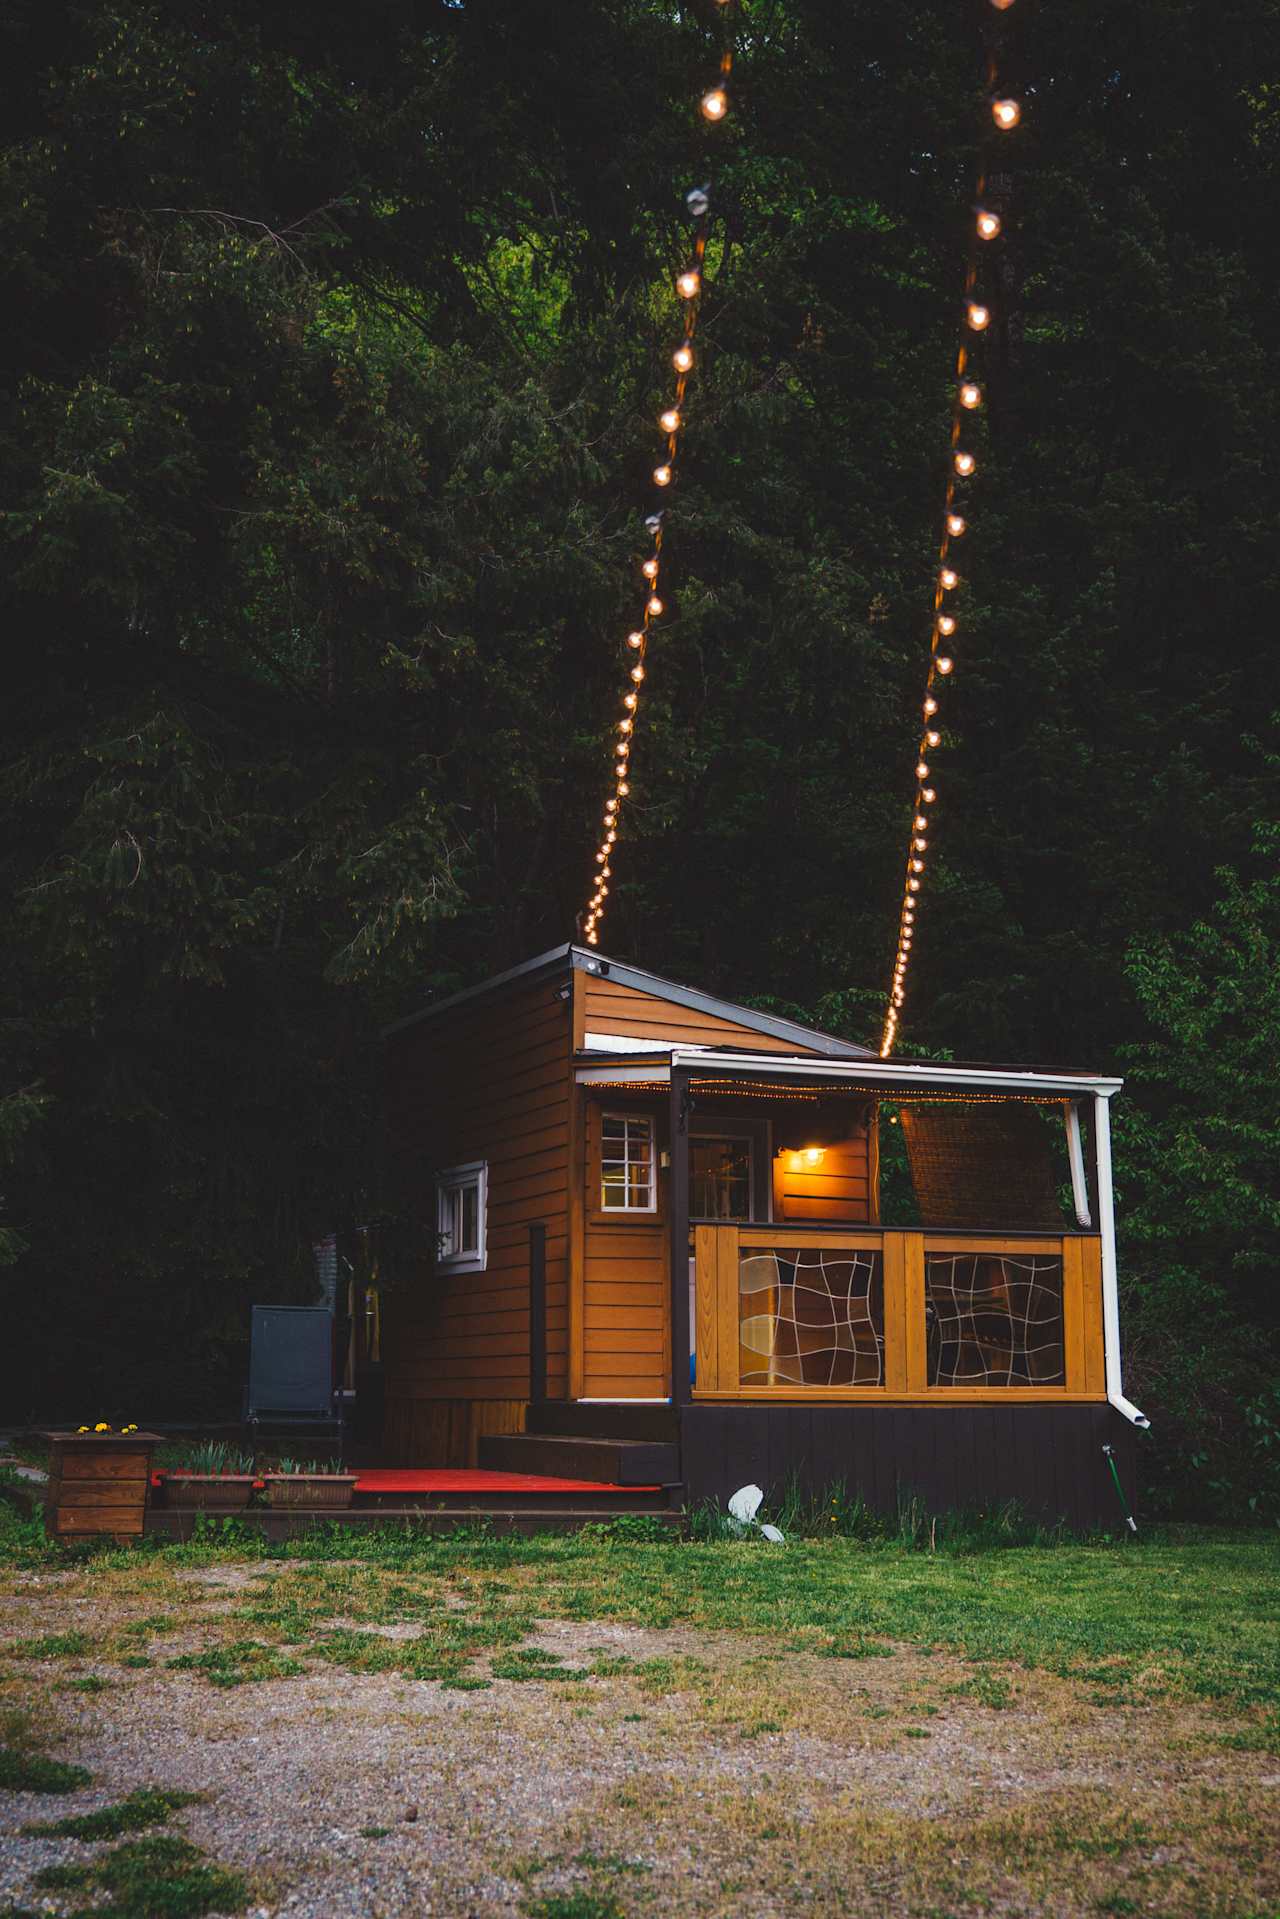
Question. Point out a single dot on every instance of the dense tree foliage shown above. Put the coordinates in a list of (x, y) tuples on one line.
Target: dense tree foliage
[(332, 343)]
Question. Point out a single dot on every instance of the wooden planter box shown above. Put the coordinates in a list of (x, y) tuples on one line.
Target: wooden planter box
[(210, 1492), (326, 1490), (98, 1483)]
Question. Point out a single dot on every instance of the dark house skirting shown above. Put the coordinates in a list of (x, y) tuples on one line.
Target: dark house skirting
[(1047, 1458)]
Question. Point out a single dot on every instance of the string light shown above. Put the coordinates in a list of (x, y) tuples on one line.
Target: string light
[(1006, 113), (714, 105)]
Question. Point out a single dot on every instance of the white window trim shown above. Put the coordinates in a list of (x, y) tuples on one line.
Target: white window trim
[(474, 1172), (632, 1119)]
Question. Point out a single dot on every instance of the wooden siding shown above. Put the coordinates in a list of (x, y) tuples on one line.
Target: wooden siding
[(837, 1189), (1047, 1458), (626, 1311), (445, 1432), (615, 1009), (489, 1081)]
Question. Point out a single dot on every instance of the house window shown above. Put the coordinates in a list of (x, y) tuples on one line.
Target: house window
[(627, 1164), (720, 1177), (461, 1193)]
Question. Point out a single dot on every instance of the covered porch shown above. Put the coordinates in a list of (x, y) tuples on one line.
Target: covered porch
[(942, 1322)]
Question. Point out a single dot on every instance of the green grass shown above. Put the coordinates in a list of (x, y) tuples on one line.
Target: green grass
[(33, 1772), (1190, 1610), (242, 1663), (54, 1645), (160, 1877), (148, 1807)]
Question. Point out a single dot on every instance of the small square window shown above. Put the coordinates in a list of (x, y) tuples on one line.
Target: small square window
[(627, 1182), (461, 1194)]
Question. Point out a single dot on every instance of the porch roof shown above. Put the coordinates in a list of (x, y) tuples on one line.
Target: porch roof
[(648, 1067)]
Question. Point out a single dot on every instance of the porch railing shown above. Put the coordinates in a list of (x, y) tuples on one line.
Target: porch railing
[(803, 1313)]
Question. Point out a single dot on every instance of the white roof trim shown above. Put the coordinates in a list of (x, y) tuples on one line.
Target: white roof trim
[(780, 1065), (622, 1043), (1004, 1077)]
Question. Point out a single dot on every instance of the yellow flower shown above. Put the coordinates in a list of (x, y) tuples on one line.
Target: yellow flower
[(82, 1429), (102, 1427), (128, 1429)]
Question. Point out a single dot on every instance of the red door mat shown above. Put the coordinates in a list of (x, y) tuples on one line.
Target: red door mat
[(474, 1480)]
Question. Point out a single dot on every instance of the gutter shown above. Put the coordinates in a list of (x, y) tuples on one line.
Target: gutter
[(1110, 1285)]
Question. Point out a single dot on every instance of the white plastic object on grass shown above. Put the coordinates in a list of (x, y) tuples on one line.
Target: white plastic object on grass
[(744, 1506)]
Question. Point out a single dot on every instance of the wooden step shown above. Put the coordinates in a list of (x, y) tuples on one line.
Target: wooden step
[(613, 1462), (616, 1419)]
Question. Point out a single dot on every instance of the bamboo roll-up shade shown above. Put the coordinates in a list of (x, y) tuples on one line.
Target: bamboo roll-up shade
[(983, 1166)]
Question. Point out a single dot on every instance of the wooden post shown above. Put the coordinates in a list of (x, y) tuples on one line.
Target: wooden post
[(678, 1219), (537, 1314), (98, 1483)]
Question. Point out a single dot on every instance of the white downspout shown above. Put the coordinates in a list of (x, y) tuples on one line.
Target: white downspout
[(1110, 1284), (1075, 1154)]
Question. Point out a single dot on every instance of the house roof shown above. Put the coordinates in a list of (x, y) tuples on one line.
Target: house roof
[(590, 960)]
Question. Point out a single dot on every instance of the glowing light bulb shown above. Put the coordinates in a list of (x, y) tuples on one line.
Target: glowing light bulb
[(919, 843), (930, 705), (922, 771), (592, 940), (964, 465), (637, 673), (688, 283), (650, 569), (1006, 114), (623, 787), (635, 639), (607, 870), (947, 579), (682, 358), (955, 525), (670, 420), (623, 749), (653, 606), (814, 1155), (601, 858), (933, 739), (970, 395), (662, 476), (928, 794), (715, 104), (920, 822), (610, 837), (988, 224), (978, 316), (946, 623), (914, 885), (943, 663), (1002, 6), (625, 726), (630, 700)]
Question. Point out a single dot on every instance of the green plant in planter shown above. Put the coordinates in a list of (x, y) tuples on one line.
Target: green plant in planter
[(310, 1468), (212, 1459)]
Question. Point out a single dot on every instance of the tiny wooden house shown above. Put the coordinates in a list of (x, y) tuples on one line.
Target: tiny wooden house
[(678, 1239)]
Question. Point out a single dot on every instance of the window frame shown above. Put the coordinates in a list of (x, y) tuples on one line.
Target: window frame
[(632, 1118), (456, 1179)]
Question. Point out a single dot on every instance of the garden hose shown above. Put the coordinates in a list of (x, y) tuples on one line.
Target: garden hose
[(1130, 1521)]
